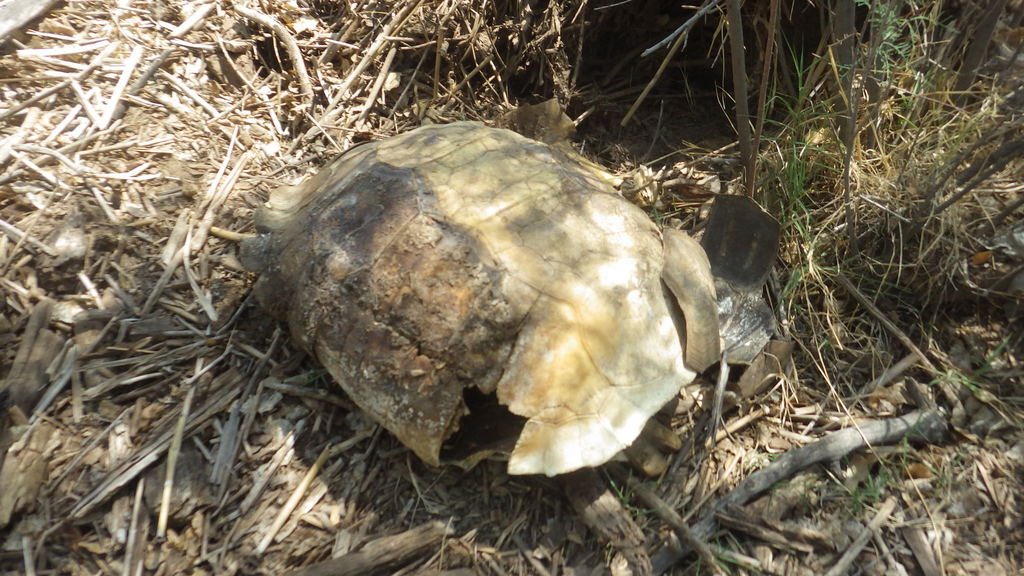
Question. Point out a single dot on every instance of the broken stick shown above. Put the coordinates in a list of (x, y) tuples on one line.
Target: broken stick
[(921, 425), (382, 555)]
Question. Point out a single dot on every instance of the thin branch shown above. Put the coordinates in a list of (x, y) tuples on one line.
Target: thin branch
[(707, 7), (762, 91), (922, 425), (980, 38), (846, 41), (888, 324), (739, 85), (678, 39), (286, 38)]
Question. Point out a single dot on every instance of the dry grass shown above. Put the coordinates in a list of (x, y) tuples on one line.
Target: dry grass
[(136, 139), (922, 254)]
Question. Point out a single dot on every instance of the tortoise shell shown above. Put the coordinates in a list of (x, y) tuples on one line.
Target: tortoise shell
[(460, 256)]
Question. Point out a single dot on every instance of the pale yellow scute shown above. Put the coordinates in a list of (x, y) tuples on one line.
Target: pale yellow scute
[(599, 354), (688, 275)]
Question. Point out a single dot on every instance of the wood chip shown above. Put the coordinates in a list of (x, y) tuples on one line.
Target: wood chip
[(27, 379), (15, 14), (382, 555), (24, 470)]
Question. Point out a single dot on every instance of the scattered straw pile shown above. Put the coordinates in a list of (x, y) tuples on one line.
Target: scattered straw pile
[(135, 141)]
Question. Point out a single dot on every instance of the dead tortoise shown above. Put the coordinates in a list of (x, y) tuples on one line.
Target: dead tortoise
[(461, 256)]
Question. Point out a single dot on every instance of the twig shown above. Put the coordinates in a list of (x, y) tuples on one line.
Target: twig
[(172, 457), (228, 451), (76, 168), (950, 394), (192, 21), (132, 546), (260, 480), (603, 513), (377, 85), (93, 65), (465, 80), (226, 391), (894, 565), (67, 369), (997, 221), (679, 43), (678, 39), (211, 193), (383, 554), (738, 424), (980, 38), (19, 236), (90, 136), (30, 120), (719, 398), (676, 46), (162, 282), (50, 178), (378, 43), (72, 465), (70, 116), (891, 373), (63, 50), (387, 32), (84, 100), (293, 501), (203, 297), (142, 80), (286, 38), (762, 91), (529, 557), (190, 93), (925, 425), (341, 37), (215, 199), (737, 53), (707, 7), (311, 393), (995, 162), (179, 435), (673, 519), (175, 239), (888, 324), (772, 531), (949, 168), (845, 36), (122, 83), (862, 539), (923, 553)]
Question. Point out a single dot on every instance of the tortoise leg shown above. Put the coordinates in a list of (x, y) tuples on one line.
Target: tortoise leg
[(649, 452)]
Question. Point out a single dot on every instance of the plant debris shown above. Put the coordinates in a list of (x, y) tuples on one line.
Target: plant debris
[(152, 419)]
